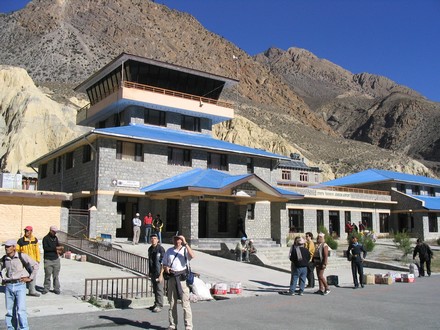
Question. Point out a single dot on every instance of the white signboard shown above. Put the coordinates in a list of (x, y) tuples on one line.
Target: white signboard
[(126, 183)]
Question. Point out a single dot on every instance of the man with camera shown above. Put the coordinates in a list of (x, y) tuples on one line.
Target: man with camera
[(175, 269)]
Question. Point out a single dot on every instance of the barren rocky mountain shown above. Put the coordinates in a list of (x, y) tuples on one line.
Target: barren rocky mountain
[(313, 106)]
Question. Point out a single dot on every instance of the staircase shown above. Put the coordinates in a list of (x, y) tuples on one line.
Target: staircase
[(207, 244)]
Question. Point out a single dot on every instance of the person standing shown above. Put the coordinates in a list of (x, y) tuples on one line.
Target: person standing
[(15, 279), (148, 221), (357, 253), (157, 227), (155, 256), (175, 264), (137, 223), (320, 259), (299, 257), (425, 256), (29, 244), (52, 264), (310, 245)]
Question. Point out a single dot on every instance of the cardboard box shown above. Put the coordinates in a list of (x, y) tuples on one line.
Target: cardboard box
[(368, 279), (83, 258), (235, 288), (219, 288), (387, 280), (68, 255), (408, 278), (378, 278)]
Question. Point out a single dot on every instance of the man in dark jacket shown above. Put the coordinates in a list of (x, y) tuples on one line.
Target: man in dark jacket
[(299, 256), (357, 253), (155, 256), (425, 255), (52, 264)]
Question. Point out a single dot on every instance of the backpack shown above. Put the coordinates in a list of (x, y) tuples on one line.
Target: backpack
[(25, 264)]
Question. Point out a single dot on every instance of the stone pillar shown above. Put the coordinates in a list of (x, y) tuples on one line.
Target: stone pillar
[(189, 215)]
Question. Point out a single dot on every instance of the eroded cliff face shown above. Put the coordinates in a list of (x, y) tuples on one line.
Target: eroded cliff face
[(31, 123)]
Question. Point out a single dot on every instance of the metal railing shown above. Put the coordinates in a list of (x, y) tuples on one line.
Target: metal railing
[(105, 250), (117, 288)]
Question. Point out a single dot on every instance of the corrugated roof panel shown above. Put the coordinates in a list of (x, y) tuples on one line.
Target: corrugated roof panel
[(375, 175), (181, 138), (430, 203)]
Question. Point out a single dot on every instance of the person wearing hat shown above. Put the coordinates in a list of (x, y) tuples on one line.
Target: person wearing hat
[(155, 257), (137, 223), (425, 256), (174, 264), (52, 264), (320, 259), (242, 250), (29, 244), (299, 257), (20, 269)]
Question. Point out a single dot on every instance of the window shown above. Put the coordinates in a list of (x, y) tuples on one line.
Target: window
[(87, 153), (286, 175), (250, 165), (69, 160), (129, 151), (296, 221), (416, 190), (431, 191), (367, 220), (180, 157), (319, 219), (43, 170), (304, 176), (401, 187), (190, 123), (433, 222), (117, 119), (54, 166), (384, 224), (218, 161), (138, 153), (251, 211), (155, 117), (222, 217), (347, 216)]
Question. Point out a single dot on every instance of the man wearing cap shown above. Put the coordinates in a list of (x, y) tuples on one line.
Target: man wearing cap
[(174, 265), (29, 244), (52, 265), (155, 256), (299, 256), (20, 269), (137, 223)]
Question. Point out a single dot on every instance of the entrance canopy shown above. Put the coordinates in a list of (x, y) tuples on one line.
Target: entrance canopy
[(212, 184)]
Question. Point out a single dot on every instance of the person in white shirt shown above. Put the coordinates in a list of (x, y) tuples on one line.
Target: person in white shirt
[(137, 223), (174, 265)]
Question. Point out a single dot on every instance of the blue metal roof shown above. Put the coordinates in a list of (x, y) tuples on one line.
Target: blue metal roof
[(181, 138), (212, 179), (375, 175), (429, 202)]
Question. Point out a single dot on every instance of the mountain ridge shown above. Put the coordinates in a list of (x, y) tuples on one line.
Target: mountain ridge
[(60, 43)]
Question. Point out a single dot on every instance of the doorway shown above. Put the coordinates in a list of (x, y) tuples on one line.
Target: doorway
[(127, 209), (334, 226)]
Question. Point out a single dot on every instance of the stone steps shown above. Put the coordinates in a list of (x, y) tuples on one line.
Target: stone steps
[(215, 243)]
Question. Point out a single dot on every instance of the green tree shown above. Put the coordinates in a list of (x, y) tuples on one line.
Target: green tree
[(403, 243), (328, 238), (365, 240)]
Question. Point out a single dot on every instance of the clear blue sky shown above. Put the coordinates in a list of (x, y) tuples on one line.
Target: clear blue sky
[(399, 39)]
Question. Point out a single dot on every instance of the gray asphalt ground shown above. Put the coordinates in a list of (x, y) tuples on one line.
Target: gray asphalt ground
[(259, 306)]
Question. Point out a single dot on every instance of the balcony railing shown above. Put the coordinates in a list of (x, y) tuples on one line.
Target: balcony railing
[(83, 112), (168, 92)]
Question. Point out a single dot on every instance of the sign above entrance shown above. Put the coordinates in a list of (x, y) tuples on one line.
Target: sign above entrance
[(125, 183), (244, 192)]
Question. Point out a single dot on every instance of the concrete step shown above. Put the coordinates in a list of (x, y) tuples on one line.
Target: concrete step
[(215, 243)]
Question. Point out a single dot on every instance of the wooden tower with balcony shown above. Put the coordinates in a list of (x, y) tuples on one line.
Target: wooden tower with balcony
[(163, 90)]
